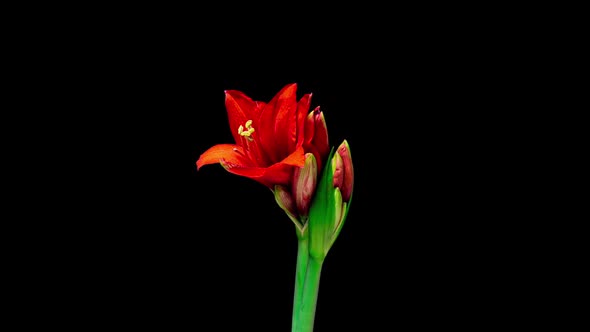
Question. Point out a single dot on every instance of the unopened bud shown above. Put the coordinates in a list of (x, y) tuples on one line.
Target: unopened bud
[(348, 171), (338, 168), (285, 201), (316, 136), (320, 137), (304, 184)]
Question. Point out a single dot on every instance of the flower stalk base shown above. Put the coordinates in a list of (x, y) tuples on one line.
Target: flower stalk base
[(307, 283)]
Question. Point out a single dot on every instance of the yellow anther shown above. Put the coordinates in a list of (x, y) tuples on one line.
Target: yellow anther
[(248, 132)]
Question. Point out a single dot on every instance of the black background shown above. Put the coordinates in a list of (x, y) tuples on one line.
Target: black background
[(148, 239)]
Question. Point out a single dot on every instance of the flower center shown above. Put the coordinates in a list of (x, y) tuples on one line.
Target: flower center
[(246, 133)]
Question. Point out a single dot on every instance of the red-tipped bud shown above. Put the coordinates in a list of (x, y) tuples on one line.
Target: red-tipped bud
[(304, 184), (338, 168), (309, 127), (348, 171), (320, 137), (316, 136), (285, 201)]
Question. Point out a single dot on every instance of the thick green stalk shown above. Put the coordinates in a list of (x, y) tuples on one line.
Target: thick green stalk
[(301, 269), (306, 292)]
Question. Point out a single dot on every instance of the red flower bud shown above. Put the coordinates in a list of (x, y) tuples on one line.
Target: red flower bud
[(348, 171), (320, 137), (304, 184), (338, 167), (316, 136), (285, 201)]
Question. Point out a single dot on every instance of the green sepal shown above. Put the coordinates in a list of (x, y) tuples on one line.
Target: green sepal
[(322, 213), (345, 207)]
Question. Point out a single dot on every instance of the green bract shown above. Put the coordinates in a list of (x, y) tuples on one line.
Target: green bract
[(327, 212)]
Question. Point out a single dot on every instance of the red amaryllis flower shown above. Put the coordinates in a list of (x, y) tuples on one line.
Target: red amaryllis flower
[(270, 138)]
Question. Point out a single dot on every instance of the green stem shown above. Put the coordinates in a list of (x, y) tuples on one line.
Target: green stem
[(301, 269), (306, 289)]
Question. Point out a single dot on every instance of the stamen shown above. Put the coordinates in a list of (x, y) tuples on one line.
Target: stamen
[(248, 132)]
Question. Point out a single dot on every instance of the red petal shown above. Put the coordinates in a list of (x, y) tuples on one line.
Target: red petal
[(279, 173), (230, 153), (297, 158), (286, 119), (277, 123), (302, 109), (240, 108)]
